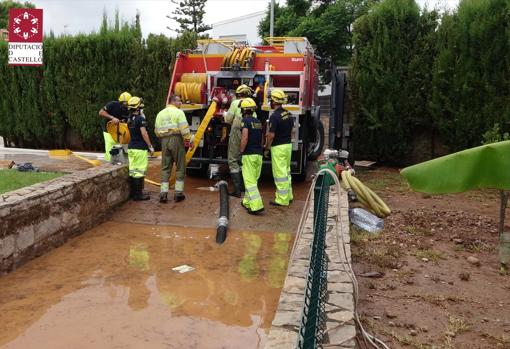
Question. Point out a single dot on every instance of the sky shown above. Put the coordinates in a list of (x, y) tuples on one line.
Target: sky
[(74, 16)]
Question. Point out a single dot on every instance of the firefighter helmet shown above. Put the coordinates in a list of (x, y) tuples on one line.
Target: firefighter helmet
[(135, 103), (124, 97), (248, 105), (244, 90), (278, 96)]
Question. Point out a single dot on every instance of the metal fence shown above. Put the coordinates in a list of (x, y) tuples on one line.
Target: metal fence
[(313, 319)]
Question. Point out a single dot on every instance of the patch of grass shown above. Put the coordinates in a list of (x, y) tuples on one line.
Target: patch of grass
[(431, 255), (478, 246), (13, 179), (417, 231), (359, 236), (456, 325), (386, 181)]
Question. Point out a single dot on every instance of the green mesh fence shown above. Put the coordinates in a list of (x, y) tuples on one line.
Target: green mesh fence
[(313, 320)]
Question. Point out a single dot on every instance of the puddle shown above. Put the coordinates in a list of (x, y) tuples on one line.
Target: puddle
[(114, 287)]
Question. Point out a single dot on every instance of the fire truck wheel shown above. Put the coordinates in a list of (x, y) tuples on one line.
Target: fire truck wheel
[(316, 141)]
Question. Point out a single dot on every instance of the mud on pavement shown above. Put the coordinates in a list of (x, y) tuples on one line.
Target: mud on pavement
[(114, 287)]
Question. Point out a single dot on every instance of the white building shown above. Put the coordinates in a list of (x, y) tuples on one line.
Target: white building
[(244, 28)]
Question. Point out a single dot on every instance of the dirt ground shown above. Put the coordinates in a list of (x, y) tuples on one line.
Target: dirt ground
[(429, 295)]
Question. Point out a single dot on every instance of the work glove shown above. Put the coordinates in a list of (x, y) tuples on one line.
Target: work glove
[(267, 153), (151, 150)]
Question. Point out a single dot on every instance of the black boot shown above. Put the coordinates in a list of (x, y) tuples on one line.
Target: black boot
[(132, 187), (163, 197), (139, 195), (179, 197), (236, 182)]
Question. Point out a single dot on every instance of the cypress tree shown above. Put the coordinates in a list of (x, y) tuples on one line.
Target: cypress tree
[(472, 72)]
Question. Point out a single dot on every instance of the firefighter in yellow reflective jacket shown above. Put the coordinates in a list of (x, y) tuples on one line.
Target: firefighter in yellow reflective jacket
[(233, 117), (279, 142), (114, 111), (251, 150), (138, 147), (173, 130)]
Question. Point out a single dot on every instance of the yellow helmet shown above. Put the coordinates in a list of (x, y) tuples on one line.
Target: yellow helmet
[(124, 97), (248, 104), (278, 96), (244, 90), (135, 103)]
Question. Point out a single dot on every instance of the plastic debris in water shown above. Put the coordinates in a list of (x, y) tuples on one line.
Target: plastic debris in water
[(183, 268)]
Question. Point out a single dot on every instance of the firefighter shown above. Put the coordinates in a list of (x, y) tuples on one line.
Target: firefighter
[(173, 130), (233, 117), (251, 150), (138, 147), (114, 111), (279, 143)]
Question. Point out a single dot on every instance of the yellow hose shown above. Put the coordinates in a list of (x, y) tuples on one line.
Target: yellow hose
[(197, 78), (366, 196), (239, 56), (189, 91)]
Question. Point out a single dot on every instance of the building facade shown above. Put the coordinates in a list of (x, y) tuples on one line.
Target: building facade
[(244, 28)]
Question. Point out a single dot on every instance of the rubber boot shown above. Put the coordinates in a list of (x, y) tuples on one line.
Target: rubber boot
[(131, 187), (143, 187), (236, 182), (179, 197), (163, 197), (241, 187), (139, 194)]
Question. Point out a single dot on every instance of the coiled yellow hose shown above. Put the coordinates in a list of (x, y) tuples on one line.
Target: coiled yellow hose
[(240, 56), (189, 91), (195, 78), (366, 196)]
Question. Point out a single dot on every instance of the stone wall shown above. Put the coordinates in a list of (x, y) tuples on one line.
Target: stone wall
[(36, 219), (340, 331)]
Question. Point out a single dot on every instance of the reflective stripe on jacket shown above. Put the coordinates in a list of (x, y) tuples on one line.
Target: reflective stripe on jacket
[(172, 121)]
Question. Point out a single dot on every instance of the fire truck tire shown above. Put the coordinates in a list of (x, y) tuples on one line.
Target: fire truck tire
[(315, 147)]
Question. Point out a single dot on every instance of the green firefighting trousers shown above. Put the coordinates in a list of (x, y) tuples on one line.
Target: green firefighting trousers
[(234, 143), (172, 150), (280, 163), (138, 162), (252, 166), (108, 145)]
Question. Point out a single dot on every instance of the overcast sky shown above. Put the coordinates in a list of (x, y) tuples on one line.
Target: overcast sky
[(73, 16)]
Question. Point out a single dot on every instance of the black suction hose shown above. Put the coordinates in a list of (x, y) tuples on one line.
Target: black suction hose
[(222, 225)]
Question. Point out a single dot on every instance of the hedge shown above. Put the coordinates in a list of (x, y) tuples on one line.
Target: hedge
[(447, 75), (39, 106)]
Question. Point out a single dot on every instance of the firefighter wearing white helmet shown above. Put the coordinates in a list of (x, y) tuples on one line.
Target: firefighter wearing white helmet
[(279, 143), (251, 150), (114, 112), (233, 117), (139, 147)]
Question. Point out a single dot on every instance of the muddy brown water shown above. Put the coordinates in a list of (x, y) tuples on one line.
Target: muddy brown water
[(114, 287)]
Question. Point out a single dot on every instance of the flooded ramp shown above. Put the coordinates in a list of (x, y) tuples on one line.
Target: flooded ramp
[(114, 287)]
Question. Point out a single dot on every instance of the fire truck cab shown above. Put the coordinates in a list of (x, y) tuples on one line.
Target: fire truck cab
[(217, 67)]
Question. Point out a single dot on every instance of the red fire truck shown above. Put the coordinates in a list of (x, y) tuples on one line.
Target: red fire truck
[(217, 67)]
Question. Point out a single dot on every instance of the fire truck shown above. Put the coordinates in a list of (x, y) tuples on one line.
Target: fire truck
[(206, 79)]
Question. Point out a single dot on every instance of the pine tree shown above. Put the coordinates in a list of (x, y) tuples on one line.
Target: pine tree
[(190, 16)]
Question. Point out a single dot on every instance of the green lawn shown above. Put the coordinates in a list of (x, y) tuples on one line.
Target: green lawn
[(13, 179)]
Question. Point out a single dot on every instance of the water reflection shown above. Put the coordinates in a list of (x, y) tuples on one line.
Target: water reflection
[(116, 285)]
